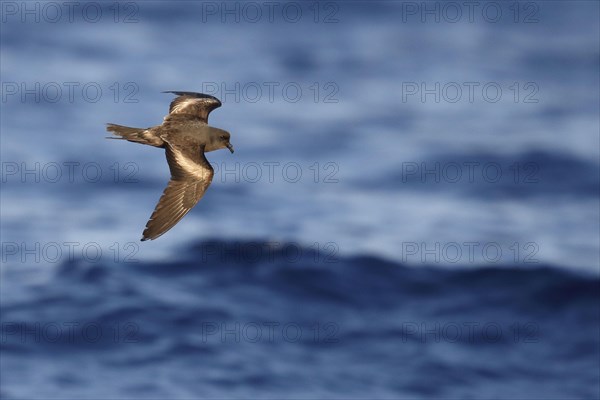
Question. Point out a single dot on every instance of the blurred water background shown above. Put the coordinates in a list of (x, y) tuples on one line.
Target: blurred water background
[(412, 210)]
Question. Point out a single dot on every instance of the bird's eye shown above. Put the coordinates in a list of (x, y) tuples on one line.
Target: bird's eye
[(223, 138)]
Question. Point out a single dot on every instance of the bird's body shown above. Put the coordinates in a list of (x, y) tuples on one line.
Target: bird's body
[(186, 136)]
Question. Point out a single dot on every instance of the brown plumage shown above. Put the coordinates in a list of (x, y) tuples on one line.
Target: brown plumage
[(186, 136)]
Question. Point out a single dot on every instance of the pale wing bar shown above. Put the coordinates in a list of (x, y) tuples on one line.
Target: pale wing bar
[(191, 104), (191, 174)]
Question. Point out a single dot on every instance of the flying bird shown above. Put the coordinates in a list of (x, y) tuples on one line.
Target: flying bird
[(186, 136)]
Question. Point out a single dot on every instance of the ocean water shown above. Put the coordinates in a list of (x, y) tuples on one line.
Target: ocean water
[(412, 210)]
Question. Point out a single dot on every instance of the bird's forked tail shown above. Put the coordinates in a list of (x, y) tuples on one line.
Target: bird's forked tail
[(137, 135)]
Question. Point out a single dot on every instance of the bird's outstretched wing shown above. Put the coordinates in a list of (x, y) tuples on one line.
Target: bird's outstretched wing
[(192, 105), (191, 174)]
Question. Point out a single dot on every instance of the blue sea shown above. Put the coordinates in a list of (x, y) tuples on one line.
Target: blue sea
[(412, 210)]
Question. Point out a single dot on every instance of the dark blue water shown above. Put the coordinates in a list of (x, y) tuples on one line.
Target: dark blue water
[(412, 210), (249, 319)]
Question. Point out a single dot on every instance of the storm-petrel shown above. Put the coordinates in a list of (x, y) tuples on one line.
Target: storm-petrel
[(186, 136)]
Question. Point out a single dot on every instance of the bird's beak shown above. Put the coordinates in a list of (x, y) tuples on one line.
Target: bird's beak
[(230, 147)]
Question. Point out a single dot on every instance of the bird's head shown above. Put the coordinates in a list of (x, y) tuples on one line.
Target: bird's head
[(219, 139)]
